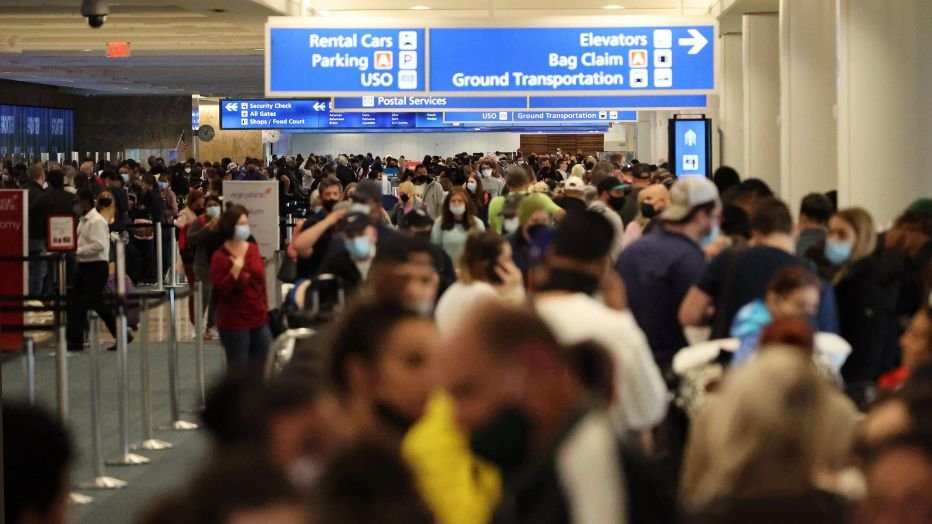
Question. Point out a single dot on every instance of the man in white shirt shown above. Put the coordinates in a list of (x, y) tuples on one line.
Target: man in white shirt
[(91, 272), (577, 264)]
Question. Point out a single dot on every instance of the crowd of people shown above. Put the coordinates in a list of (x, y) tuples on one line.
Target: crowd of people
[(519, 339)]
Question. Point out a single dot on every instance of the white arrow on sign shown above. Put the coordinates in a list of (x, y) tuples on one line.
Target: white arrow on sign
[(697, 41), (690, 138), (231, 106), (320, 106)]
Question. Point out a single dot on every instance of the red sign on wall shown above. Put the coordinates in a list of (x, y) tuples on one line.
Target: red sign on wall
[(13, 242), (118, 50)]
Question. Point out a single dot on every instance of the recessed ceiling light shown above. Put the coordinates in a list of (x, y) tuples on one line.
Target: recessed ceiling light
[(259, 49), (87, 50), (612, 7), (420, 7)]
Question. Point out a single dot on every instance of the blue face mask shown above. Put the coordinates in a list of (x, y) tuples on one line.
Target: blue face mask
[(837, 252), (471, 186), (213, 212), (359, 247), (125, 177), (711, 237), (163, 185), (242, 232)]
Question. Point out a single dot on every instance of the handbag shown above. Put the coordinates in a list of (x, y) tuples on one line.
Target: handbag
[(288, 271)]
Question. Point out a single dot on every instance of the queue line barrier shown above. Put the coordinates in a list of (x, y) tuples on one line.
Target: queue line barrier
[(58, 303)]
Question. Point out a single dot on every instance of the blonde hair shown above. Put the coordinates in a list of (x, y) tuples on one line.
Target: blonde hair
[(865, 236), (406, 187), (578, 170), (760, 435)]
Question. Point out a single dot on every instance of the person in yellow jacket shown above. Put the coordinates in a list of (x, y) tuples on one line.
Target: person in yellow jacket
[(381, 376), (458, 486)]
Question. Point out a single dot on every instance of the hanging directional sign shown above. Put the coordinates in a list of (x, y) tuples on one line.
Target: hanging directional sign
[(428, 103), (489, 103), (554, 60), (301, 60), (549, 117), (271, 114), (316, 116), (304, 59)]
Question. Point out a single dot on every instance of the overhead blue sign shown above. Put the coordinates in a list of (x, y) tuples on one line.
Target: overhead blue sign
[(554, 60), (429, 103), (466, 103), (271, 114), (617, 102), (541, 117), (315, 115), (691, 147), (326, 61)]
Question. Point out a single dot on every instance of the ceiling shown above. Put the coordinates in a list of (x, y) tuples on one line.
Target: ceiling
[(215, 47)]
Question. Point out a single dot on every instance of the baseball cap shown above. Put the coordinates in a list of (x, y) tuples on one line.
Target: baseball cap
[(922, 206), (355, 222), (368, 190), (574, 183), (232, 166), (687, 193), (416, 218), (609, 184), (540, 187)]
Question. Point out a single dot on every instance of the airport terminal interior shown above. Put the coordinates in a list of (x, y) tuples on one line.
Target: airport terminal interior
[(437, 261)]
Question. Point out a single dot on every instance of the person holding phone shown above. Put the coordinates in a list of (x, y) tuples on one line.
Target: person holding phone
[(238, 276), (487, 272)]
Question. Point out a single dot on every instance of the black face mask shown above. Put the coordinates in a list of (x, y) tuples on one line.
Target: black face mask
[(199, 211), (104, 202), (648, 211), (404, 198), (616, 202), (505, 439), (328, 205), (392, 418)]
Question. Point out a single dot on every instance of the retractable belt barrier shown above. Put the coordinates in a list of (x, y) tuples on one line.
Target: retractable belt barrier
[(58, 303)]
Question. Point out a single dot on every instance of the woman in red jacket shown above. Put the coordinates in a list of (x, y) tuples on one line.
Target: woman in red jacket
[(238, 276)]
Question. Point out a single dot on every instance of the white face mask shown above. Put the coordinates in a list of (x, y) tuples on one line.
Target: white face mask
[(512, 224), (187, 170), (458, 210), (487, 173)]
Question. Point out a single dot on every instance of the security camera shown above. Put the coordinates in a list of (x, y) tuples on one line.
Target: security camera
[(95, 11)]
